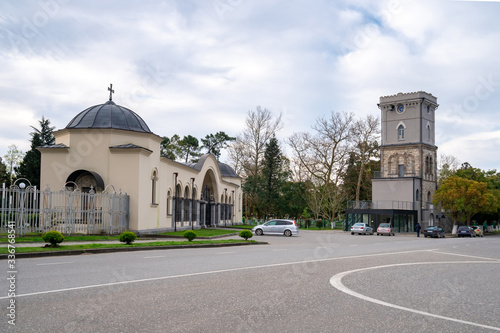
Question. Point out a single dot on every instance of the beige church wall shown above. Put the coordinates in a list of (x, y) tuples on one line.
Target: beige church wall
[(123, 173)]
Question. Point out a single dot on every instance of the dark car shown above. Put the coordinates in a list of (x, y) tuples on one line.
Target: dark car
[(465, 231), (434, 231)]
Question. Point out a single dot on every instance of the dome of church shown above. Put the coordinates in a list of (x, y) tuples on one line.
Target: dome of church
[(109, 115)]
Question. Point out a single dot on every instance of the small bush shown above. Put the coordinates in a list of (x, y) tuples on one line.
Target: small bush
[(53, 237), (319, 224), (189, 234), (127, 237), (246, 234)]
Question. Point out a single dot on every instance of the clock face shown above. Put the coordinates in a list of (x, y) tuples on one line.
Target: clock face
[(400, 108)]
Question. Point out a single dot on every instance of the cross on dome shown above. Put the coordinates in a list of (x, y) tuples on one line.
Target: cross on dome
[(111, 91)]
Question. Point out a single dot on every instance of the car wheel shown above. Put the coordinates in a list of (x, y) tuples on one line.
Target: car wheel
[(287, 233), (258, 232), (352, 233), (425, 236)]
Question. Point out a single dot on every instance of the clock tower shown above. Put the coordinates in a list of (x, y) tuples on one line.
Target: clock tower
[(408, 153)]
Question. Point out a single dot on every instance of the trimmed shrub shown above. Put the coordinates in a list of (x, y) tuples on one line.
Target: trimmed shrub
[(127, 237), (246, 234), (53, 237), (189, 234), (319, 224)]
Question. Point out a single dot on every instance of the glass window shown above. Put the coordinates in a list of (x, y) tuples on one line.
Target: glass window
[(401, 133)]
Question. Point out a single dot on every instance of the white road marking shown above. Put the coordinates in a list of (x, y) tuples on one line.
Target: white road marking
[(56, 263), (465, 255), (213, 272), (336, 282)]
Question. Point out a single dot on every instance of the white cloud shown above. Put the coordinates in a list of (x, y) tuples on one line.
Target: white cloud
[(191, 68)]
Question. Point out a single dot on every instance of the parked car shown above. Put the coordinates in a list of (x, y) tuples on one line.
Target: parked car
[(361, 228), (478, 230), (434, 231), (465, 231), (385, 229), (283, 227)]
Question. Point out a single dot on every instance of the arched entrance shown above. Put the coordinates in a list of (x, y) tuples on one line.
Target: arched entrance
[(207, 200), (85, 180)]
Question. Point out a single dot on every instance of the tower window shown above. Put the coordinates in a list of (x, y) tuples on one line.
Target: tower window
[(401, 133)]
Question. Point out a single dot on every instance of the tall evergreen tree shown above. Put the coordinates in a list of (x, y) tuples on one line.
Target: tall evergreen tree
[(188, 149), (168, 147), (4, 175), (215, 143), (274, 176), (30, 166)]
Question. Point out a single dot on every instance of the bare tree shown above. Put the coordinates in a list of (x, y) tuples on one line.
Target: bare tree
[(12, 159), (260, 127), (447, 165), (366, 135), (324, 154)]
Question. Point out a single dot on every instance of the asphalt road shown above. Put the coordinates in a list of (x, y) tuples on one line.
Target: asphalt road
[(315, 282)]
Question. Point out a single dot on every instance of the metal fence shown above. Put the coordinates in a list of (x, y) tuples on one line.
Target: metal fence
[(29, 210)]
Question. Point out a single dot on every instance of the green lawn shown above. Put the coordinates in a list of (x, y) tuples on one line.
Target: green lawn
[(81, 238), (240, 226), (4, 250), (201, 232)]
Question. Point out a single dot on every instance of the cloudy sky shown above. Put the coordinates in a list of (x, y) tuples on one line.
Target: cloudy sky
[(197, 67)]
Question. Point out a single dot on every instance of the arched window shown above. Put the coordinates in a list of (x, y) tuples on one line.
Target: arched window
[(417, 196), (169, 206), (401, 132), (429, 196), (154, 179), (428, 132)]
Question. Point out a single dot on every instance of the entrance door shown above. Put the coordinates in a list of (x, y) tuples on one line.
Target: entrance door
[(208, 214)]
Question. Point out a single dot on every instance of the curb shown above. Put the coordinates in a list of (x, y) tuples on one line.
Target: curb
[(120, 249)]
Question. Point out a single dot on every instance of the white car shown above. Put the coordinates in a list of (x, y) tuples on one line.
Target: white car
[(282, 227), (361, 228)]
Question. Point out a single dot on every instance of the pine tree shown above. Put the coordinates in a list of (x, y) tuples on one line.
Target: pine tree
[(4, 175), (30, 166), (274, 176)]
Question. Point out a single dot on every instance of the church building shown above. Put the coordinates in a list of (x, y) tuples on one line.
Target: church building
[(108, 147), (402, 190)]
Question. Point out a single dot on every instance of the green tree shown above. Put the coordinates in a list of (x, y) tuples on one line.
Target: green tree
[(31, 163), (215, 143), (169, 147), (12, 159), (274, 176), (292, 201), (492, 180), (188, 149), (4, 175), (462, 198)]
